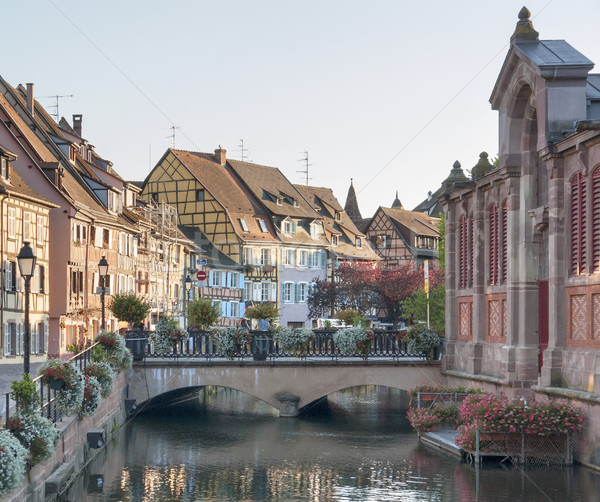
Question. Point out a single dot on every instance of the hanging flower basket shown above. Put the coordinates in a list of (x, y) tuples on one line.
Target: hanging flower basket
[(230, 341), (56, 384), (12, 462), (69, 397)]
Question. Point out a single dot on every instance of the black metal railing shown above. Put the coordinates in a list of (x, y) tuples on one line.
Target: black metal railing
[(47, 403), (385, 344)]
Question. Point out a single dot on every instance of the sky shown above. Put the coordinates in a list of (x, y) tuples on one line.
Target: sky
[(388, 93)]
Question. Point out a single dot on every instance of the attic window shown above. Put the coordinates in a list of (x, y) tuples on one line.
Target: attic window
[(358, 242), (4, 167), (263, 226), (243, 224), (289, 227), (199, 195), (338, 216), (279, 201), (296, 203), (334, 240)]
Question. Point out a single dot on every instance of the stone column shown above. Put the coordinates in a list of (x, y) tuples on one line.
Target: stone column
[(288, 404)]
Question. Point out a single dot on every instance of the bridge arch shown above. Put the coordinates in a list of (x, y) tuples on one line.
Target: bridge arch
[(286, 387)]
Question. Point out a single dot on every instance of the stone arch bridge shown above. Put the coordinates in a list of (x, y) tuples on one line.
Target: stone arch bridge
[(288, 386)]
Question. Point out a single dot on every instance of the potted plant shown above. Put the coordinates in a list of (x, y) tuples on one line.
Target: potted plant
[(92, 396), (116, 352), (13, 457), (103, 372), (167, 335), (351, 341), (25, 395), (202, 313), (230, 341), (36, 433), (129, 308), (293, 339), (67, 380), (422, 341)]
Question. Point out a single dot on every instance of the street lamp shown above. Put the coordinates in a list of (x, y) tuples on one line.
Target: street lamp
[(103, 272), (26, 260), (188, 286)]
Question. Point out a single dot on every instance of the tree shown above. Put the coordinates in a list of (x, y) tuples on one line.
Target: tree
[(202, 313), (322, 299), (393, 285), (129, 308), (415, 305)]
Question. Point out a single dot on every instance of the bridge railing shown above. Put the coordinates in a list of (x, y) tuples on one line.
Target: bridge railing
[(47, 402), (385, 344)]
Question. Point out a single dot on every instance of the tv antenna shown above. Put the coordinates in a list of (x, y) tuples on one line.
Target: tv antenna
[(242, 150), (306, 166), (172, 135), (56, 114)]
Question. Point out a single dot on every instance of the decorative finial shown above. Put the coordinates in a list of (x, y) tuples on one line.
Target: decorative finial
[(456, 176), (482, 167), (524, 29)]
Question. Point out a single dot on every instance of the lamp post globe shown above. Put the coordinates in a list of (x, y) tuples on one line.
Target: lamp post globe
[(26, 260)]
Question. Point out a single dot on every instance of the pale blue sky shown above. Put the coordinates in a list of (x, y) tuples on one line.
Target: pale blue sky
[(398, 88)]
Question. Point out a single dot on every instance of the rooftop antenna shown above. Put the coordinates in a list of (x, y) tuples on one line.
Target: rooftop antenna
[(306, 166), (172, 135), (242, 149), (56, 114)]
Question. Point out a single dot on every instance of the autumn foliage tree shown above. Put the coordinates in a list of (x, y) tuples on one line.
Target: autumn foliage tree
[(393, 285)]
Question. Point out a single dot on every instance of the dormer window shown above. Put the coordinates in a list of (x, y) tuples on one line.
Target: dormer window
[(279, 201), (263, 226), (296, 203), (314, 230), (243, 224), (334, 240), (338, 216), (289, 227), (358, 242), (4, 167)]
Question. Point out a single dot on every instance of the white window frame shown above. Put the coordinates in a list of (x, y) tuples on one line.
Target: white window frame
[(265, 256), (265, 291), (288, 292), (235, 309), (12, 222), (243, 224), (303, 258), (247, 295), (289, 257), (301, 292), (263, 226)]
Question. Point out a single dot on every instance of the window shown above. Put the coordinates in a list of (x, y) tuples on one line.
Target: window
[(234, 281), (41, 279), (106, 238), (334, 240), (11, 276), (199, 195), (358, 242), (243, 224), (265, 256), (40, 237), (493, 245), (314, 230), (289, 257), (12, 227), (154, 198), (338, 216), (10, 339), (289, 227), (26, 226), (301, 292), (263, 226), (578, 224), (288, 292), (216, 278), (264, 291), (247, 291), (235, 309), (41, 333), (4, 167), (303, 259), (279, 201), (503, 245)]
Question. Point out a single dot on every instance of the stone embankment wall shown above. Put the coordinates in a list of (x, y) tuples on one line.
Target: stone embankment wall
[(45, 481)]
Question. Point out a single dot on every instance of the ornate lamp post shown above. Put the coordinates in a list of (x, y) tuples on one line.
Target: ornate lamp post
[(26, 260), (103, 272), (188, 286)]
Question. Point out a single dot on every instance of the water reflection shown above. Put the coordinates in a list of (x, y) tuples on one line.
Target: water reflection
[(356, 447)]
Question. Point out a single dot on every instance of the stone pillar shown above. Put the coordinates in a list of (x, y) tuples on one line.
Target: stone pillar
[(557, 322), (448, 360), (288, 404)]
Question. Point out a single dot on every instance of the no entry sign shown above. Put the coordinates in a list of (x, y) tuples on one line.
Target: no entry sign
[(201, 275)]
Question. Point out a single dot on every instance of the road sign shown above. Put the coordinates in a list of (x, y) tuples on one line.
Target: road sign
[(201, 275), (201, 261)]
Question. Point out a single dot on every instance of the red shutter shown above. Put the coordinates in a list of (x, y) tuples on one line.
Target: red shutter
[(596, 218), (504, 241), (471, 244), (578, 234), (493, 243), (461, 253)]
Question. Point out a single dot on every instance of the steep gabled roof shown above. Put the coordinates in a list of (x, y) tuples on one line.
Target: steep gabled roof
[(419, 223), (265, 182)]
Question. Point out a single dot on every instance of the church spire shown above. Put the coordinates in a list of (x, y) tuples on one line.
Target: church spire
[(351, 206), (397, 204)]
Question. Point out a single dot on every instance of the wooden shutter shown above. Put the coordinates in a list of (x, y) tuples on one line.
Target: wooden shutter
[(596, 218), (471, 249), (578, 233), (462, 259), (504, 254), (493, 245)]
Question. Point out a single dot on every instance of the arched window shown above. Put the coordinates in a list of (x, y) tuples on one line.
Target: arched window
[(578, 221)]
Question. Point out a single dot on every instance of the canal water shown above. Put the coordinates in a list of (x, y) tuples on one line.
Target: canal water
[(222, 445)]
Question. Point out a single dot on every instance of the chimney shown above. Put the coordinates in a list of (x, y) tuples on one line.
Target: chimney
[(77, 124), (30, 101), (220, 155)]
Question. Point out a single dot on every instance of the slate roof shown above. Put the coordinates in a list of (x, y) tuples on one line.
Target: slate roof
[(431, 205), (544, 53)]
